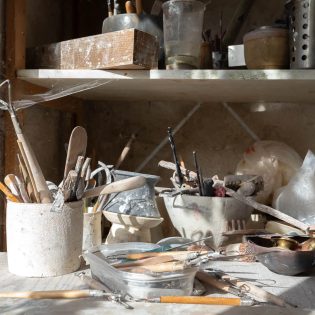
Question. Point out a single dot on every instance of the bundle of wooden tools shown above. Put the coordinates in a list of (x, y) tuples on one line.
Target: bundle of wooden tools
[(78, 182), (31, 187)]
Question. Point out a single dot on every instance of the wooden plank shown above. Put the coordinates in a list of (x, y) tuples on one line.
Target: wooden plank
[(206, 86), (14, 59), (126, 49)]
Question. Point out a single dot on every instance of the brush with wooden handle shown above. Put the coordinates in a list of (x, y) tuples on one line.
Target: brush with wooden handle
[(143, 262), (206, 300), (177, 255), (257, 292), (129, 7), (229, 284), (58, 294), (127, 147), (39, 180), (139, 8), (28, 170), (171, 266)]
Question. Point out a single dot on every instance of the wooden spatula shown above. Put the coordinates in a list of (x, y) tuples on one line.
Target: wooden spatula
[(77, 146), (10, 181), (118, 186)]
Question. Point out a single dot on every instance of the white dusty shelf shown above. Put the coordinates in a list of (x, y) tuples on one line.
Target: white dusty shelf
[(236, 86)]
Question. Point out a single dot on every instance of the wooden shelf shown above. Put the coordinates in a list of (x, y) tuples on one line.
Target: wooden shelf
[(237, 86)]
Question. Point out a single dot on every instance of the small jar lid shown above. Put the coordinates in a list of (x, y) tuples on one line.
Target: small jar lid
[(266, 31)]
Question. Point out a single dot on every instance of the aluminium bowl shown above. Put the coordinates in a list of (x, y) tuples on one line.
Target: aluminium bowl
[(287, 262)]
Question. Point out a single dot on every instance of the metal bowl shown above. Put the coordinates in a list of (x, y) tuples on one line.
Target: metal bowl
[(289, 263)]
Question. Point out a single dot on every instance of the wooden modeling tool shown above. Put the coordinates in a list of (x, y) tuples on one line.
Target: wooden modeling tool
[(77, 147), (29, 156), (8, 193)]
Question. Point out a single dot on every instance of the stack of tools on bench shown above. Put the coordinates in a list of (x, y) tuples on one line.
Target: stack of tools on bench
[(218, 214)]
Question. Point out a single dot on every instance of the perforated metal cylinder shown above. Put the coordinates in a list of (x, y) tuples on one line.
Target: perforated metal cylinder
[(302, 33)]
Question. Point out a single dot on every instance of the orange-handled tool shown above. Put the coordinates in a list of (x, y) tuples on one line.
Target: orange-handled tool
[(8, 193), (206, 300)]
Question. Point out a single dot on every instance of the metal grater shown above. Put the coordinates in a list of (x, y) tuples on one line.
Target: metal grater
[(302, 33)]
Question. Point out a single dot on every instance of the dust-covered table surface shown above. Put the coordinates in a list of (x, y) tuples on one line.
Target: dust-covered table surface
[(299, 290)]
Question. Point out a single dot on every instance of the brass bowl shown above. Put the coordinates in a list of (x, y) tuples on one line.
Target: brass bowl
[(287, 243)]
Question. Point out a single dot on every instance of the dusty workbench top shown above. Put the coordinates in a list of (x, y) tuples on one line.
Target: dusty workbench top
[(298, 290)]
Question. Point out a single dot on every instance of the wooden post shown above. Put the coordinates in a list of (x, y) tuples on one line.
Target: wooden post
[(14, 59)]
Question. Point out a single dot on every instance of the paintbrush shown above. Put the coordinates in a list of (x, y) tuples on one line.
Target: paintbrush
[(125, 150)]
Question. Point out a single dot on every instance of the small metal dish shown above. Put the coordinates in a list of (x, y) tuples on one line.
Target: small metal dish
[(287, 262)]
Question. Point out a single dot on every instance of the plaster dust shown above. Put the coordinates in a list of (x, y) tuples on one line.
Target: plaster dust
[(294, 289)]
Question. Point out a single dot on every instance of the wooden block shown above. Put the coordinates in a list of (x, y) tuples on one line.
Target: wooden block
[(126, 49)]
